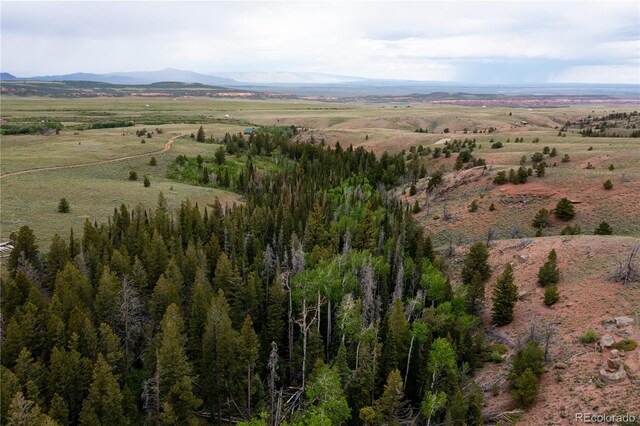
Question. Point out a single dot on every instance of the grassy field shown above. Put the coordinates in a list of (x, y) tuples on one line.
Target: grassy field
[(94, 191)]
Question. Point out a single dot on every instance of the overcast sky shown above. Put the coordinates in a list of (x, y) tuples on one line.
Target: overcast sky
[(509, 42)]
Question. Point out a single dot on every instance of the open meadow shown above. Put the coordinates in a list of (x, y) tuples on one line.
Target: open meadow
[(94, 190)]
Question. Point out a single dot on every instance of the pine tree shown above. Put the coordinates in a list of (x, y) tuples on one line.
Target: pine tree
[(58, 410), (176, 382), (564, 210), (57, 257), (24, 245), (391, 408), (549, 272), (103, 405), (603, 229), (475, 293), (63, 206), (249, 352), (551, 295), (147, 182), (200, 136), (505, 296), (525, 391), (476, 261)]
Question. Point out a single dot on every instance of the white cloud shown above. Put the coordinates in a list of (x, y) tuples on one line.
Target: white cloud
[(415, 40)]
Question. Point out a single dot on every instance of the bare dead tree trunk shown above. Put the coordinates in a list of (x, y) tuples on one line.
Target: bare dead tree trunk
[(406, 374)]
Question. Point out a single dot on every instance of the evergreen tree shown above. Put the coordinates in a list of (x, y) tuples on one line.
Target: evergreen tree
[(200, 137), (249, 352), (390, 408), (525, 390), (603, 229), (476, 261), (475, 293), (505, 296), (175, 381), (549, 272), (58, 410), (63, 206), (103, 405), (24, 245), (564, 210), (551, 295), (57, 257)]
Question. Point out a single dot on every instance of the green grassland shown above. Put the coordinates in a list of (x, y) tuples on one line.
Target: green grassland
[(94, 191)]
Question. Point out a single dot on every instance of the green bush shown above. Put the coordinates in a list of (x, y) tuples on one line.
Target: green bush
[(564, 210), (551, 295), (147, 182), (607, 184), (133, 175), (603, 229), (589, 336), (63, 206), (625, 345), (571, 230), (153, 161), (474, 206), (500, 178)]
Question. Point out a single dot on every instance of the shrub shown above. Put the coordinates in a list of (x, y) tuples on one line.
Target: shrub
[(434, 180), (590, 148), (416, 207), (551, 295), (541, 219), (531, 356), (143, 141), (412, 189), (63, 206), (505, 296), (546, 150), (611, 168), (571, 230), (607, 184), (625, 345), (526, 388), (500, 178), (540, 169), (494, 352), (133, 175), (603, 229), (496, 145), (521, 175), (147, 182), (564, 210), (474, 206), (554, 152), (537, 157), (589, 336), (566, 158), (492, 207), (590, 166), (153, 161), (549, 272)]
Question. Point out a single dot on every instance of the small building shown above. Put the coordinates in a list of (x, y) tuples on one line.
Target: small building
[(248, 131)]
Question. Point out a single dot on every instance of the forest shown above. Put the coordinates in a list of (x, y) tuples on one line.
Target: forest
[(317, 301)]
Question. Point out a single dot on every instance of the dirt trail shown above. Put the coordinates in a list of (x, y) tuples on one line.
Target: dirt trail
[(164, 149)]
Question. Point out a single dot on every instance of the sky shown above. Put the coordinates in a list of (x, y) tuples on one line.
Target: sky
[(469, 42)]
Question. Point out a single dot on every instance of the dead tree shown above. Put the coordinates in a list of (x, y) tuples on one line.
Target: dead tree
[(627, 271)]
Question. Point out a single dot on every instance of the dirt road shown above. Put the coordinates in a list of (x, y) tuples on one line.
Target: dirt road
[(165, 148)]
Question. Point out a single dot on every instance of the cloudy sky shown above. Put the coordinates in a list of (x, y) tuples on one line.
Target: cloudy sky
[(478, 41)]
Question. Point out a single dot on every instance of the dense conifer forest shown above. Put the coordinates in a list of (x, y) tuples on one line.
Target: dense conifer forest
[(317, 301)]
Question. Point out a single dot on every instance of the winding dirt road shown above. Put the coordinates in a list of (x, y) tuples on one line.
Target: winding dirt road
[(164, 149)]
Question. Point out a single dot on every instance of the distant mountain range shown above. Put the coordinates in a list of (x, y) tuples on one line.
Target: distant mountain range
[(327, 85), (133, 77), (171, 74)]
